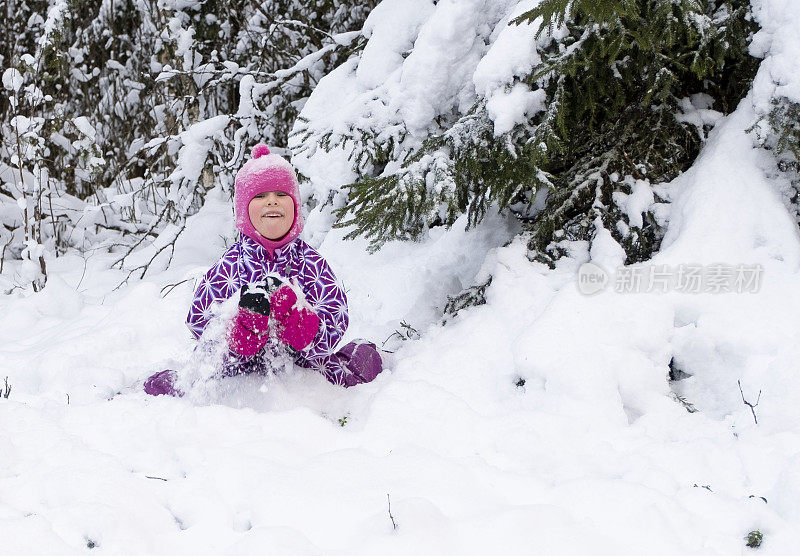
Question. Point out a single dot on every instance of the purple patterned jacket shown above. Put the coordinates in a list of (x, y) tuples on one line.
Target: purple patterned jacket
[(247, 261)]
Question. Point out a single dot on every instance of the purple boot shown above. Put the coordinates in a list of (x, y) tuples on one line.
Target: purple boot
[(162, 383), (363, 361)]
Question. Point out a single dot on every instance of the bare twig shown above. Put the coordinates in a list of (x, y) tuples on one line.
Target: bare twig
[(146, 266), (124, 231), (85, 263), (635, 169), (748, 404), (394, 525), (53, 221), (172, 287), (132, 248), (306, 26), (407, 332), (6, 392)]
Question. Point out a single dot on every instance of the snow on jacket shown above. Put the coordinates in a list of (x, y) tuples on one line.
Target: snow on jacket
[(248, 261)]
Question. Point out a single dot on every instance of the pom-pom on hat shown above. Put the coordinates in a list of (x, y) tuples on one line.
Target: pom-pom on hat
[(262, 173)]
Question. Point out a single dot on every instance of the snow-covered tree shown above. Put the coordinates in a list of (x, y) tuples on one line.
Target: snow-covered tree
[(564, 113)]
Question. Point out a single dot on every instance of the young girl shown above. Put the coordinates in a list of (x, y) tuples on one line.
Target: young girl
[(269, 266)]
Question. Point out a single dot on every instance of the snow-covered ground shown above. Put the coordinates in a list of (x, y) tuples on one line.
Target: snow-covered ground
[(539, 423), (592, 455)]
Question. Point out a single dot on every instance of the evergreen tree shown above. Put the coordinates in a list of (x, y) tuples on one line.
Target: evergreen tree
[(779, 132), (617, 77)]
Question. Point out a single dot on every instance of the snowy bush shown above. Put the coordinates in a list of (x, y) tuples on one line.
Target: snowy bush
[(119, 117)]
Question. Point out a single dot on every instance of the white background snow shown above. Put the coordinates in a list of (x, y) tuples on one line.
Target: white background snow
[(593, 455)]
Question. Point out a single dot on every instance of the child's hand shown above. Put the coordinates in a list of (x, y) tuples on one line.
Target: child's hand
[(251, 325), (297, 326)]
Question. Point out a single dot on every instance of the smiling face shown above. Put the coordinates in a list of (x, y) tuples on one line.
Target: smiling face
[(272, 214)]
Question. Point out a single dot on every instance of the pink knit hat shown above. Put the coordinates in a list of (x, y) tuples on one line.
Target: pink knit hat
[(266, 172)]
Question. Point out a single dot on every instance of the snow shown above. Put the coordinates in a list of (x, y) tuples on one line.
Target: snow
[(388, 40), (697, 111), (779, 43), (340, 80), (55, 16), (511, 57), (448, 48), (590, 454), (85, 127), (12, 79), (506, 109), (511, 53), (196, 142), (402, 82), (637, 202), (541, 421)]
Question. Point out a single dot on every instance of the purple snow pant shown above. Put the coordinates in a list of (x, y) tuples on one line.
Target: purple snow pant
[(356, 363)]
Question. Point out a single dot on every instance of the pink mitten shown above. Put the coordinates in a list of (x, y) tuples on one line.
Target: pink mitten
[(251, 325), (282, 303), (250, 332), (297, 327)]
